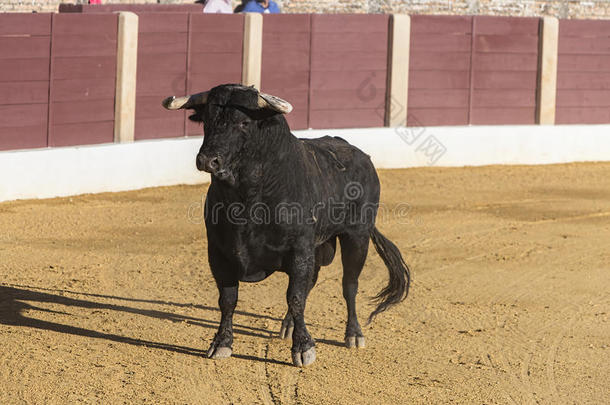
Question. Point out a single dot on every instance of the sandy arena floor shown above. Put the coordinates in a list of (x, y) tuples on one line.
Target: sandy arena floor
[(108, 298)]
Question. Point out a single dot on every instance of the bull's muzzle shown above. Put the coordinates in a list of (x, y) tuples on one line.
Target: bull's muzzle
[(210, 164)]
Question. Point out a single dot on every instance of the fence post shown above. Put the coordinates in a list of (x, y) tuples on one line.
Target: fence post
[(253, 50), (398, 70), (126, 69), (547, 65)]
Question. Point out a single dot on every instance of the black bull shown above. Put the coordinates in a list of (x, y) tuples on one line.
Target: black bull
[(279, 203)]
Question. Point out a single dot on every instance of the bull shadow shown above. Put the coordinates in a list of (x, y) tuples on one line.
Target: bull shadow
[(15, 301)]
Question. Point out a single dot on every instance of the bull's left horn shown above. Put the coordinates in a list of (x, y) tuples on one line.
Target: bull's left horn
[(273, 102), (175, 103)]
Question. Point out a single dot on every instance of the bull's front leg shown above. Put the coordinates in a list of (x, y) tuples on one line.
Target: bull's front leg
[(223, 340), (300, 278), (227, 301)]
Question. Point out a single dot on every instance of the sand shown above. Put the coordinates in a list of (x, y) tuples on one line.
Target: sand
[(108, 298)]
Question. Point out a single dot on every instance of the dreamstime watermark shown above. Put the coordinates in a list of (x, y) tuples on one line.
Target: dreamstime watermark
[(415, 134), (351, 208)]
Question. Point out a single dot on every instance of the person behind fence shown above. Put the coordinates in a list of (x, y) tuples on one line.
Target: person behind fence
[(261, 6), (218, 6)]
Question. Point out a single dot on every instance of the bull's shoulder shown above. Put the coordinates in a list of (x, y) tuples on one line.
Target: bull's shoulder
[(336, 151)]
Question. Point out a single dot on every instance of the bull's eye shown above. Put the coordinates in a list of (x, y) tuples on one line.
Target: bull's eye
[(243, 125)]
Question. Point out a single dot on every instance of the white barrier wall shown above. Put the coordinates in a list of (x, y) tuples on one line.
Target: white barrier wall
[(55, 172)]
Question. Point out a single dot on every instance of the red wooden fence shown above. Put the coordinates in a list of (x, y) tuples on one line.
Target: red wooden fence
[(439, 71), (285, 64), (473, 70), (504, 70), (349, 55), (83, 70), (583, 72), (25, 46), (57, 71)]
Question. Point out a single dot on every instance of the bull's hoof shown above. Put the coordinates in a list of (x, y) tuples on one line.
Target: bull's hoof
[(354, 341), (219, 352), (304, 359)]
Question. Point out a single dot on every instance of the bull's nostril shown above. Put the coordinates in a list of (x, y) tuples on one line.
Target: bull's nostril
[(214, 163)]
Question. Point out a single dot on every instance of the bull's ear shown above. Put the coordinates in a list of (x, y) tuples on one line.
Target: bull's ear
[(274, 103), (175, 103)]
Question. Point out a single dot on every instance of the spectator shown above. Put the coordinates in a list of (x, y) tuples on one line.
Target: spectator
[(218, 6), (261, 6)]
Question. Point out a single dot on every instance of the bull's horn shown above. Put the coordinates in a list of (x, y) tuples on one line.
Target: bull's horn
[(273, 102), (175, 103)]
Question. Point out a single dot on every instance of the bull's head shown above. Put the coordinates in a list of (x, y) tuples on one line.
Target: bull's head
[(231, 114)]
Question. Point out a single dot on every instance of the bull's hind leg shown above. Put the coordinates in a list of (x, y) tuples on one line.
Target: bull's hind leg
[(354, 248), (288, 323)]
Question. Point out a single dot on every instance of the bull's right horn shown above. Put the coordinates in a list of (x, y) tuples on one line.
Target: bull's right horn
[(175, 103)]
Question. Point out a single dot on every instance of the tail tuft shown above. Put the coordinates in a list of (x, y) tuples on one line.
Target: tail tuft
[(400, 274)]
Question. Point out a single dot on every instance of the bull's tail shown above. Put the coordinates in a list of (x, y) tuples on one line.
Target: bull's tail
[(400, 275)]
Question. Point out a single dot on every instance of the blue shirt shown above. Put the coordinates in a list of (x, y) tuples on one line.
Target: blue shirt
[(255, 7)]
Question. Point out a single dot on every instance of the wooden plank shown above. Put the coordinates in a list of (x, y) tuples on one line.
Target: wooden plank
[(584, 80), (507, 62), (440, 24), (424, 60), (439, 79), (437, 116), (162, 22), (348, 99), (482, 98), (24, 92), (584, 46), (286, 23), (511, 26), (435, 98), (95, 67), (343, 61), (583, 98), (82, 112), (280, 62), (83, 45), (505, 80), (161, 85), (503, 116), (583, 63), (345, 118), (229, 41), (350, 23), (141, 8), (102, 25), (217, 23), (350, 41), (82, 133), (286, 79), (440, 43), (284, 41), (506, 43), (24, 47), (161, 43), (156, 128), (24, 69), (203, 63), (83, 89), (348, 80), (25, 24), (582, 115), (23, 115), (28, 137), (163, 63), (298, 120), (584, 28)]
